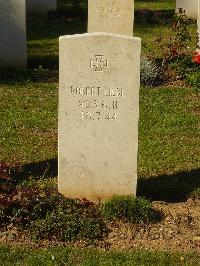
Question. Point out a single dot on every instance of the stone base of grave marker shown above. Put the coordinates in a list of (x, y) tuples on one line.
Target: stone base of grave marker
[(190, 7), (40, 7), (98, 115), (13, 33)]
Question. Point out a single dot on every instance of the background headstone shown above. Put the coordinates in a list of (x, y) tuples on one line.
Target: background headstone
[(13, 33), (198, 35), (198, 28), (190, 7), (113, 16), (40, 7), (98, 115)]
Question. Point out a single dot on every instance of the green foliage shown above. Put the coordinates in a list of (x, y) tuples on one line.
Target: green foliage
[(176, 44), (193, 79), (70, 220), (49, 215), (129, 208), (149, 72), (183, 65)]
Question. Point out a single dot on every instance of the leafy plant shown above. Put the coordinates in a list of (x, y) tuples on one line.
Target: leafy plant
[(196, 58), (129, 208), (176, 44), (49, 215), (5, 179), (193, 79), (148, 72)]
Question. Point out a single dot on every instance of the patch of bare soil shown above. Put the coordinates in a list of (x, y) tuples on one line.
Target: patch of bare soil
[(179, 230)]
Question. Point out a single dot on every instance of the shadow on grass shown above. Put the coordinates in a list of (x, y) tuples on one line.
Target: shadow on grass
[(46, 61), (148, 17), (13, 75), (62, 25), (169, 188), (154, 18), (45, 169)]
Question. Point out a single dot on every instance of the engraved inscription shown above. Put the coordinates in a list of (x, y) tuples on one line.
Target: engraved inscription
[(98, 63), (111, 10), (98, 109), (93, 106), (97, 91), (108, 13), (98, 115), (100, 11)]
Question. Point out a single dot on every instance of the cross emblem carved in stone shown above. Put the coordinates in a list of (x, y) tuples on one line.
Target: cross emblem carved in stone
[(98, 63)]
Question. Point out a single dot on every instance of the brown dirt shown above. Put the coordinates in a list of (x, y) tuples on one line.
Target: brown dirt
[(179, 230)]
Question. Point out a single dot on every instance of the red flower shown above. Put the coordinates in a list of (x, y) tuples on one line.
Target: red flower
[(196, 58)]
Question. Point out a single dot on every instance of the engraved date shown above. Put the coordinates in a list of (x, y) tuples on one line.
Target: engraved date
[(98, 116)]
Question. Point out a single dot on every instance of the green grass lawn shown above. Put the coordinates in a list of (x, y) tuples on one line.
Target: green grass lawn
[(168, 129), (168, 159), (139, 4), (43, 44), (155, 5), (91, 257)]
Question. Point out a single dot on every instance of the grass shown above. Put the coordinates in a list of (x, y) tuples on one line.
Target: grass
[(39, 39), (129, 208), (155, 5), (139, 4), (168, 161), (29, 128), (28, 131), (88, 257), (168, 131)]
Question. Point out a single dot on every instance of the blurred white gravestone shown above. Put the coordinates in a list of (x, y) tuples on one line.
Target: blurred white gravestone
[(98, 114), (198, 35), (113, 16), (198, 28), (13, 33), (40, 7), (190, 7)]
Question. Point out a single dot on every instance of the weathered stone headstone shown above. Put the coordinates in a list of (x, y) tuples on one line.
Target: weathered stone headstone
[(40, 7), (13, 33), (99, 105), (190, 7), (98, 115), (113, 16)]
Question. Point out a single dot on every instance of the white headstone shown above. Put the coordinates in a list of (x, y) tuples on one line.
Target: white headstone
[(198, 28), (198, 35), (190, 7), (13, 33), (98, 115), (40, 7), (113, 16)]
